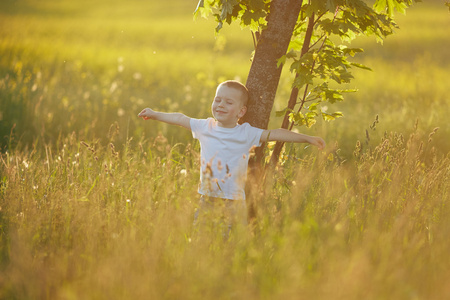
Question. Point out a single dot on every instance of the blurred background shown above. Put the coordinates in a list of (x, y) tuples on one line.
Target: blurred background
[(88, 68)]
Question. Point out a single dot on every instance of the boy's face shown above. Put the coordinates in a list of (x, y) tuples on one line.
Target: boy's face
[(227, 106)]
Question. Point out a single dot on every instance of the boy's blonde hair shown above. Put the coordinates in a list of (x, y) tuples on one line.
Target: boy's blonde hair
[(238, 86)]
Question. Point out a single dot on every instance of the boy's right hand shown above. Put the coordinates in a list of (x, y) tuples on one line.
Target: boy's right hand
[(146, 114)]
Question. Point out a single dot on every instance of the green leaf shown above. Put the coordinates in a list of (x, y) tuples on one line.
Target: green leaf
[(303, 79), (310, 119), (313, 107), (329, 26), (400, 7), (281, 61), (361, 66), (331, 6), (332, 96), (297, 118), (311, 114), (332, 117), (388, 6), (352, 51), (281, 113), (203, 8), (380, 5), (257, 5), (291, 54), (227, 8)]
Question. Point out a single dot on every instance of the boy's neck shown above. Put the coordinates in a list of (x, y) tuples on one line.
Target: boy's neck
[(231, 125)]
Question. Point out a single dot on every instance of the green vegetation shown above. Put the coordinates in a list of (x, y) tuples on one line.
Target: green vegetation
[(96, 204)]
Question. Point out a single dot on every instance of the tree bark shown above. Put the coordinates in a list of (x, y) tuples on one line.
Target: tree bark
[(264, 75)]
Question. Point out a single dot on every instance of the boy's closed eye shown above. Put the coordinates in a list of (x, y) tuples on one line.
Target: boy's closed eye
[(227, 101)]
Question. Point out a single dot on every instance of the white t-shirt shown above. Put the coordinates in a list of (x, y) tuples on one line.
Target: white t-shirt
[(224, 157)]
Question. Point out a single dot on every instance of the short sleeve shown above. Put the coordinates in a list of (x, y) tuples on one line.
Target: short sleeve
[(253, 135), (198, 126)]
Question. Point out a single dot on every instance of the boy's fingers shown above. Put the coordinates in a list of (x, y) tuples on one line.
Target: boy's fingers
[(141, 114), (320, 144)]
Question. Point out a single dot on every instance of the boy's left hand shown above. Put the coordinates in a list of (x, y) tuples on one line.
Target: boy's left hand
[(318, 142)]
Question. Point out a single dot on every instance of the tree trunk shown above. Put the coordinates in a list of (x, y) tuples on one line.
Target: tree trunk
[(264, 75), (263, 78)]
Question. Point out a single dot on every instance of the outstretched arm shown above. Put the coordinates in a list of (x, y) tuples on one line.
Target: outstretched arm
[(284, 135), (170, 118)]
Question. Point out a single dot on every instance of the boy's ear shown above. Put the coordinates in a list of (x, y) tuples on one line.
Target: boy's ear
[(242, 111)]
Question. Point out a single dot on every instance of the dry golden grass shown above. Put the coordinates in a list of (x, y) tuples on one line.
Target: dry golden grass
[(90, 210), (84, 221)]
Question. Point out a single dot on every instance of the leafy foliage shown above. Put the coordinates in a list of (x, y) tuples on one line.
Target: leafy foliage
[(250, 13), (315, 57)]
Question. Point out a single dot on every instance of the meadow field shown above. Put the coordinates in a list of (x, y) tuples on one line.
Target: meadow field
[(98, 204)]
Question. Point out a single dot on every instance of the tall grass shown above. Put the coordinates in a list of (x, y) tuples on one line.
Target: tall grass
[(85, 221), (96, 204)]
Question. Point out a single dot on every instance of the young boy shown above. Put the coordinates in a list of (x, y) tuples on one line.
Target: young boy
[(225, 147)]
